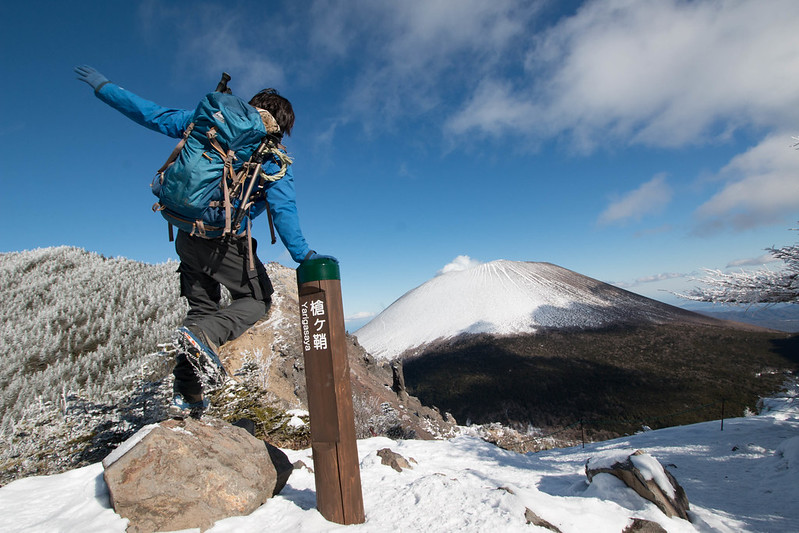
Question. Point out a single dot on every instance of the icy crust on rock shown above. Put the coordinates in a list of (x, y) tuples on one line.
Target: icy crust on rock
[(126, 446), (648, 466), (501, 297)]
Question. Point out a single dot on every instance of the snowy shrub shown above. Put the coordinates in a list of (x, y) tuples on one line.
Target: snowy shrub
[(373, 418), (77, 328), (246, 400)]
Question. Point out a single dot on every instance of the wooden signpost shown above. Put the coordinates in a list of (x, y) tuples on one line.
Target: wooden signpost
[(327, 374)]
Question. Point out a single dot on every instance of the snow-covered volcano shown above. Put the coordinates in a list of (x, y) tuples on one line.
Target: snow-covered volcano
[(507, 297)]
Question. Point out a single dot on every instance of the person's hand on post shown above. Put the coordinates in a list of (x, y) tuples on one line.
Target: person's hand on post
[(89, 75), (314, 255)]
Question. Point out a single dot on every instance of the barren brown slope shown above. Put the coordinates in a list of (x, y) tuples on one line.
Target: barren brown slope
[(616, 380)]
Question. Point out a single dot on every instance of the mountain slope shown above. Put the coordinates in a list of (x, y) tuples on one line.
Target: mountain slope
[(508, 297), (82, 368)]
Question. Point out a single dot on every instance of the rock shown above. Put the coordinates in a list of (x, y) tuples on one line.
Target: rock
[(536, 520), (639, 525), (273, 344), (646, 476), (183, 474), (283, 467), (398, 381), (393, 459), (300, 464), (282, 464), (247, 424)]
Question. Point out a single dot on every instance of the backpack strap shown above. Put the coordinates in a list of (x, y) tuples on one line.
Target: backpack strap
[(171, 159), (271, 224), (198, 229), (249, 245), (178, 148), (226, 202), (227, 174)]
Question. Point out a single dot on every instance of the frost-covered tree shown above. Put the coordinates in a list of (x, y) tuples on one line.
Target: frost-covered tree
[(753, 287), (763, 286), (79, 342)]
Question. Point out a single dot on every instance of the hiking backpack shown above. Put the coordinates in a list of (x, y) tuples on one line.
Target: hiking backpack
[(214, 176)]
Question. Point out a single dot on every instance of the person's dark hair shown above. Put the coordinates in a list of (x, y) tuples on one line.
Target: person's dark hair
[(279, 107)]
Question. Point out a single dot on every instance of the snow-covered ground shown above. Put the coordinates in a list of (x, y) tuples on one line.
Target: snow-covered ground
[(744, 478), (501, 297)]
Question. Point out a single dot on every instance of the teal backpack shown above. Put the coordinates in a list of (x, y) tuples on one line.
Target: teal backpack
[(214, 177)]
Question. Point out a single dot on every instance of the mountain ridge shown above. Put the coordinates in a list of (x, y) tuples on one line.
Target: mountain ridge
[(511, 297), (85, 341)]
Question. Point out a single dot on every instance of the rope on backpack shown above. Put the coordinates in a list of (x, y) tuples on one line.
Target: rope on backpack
[(283, 160)]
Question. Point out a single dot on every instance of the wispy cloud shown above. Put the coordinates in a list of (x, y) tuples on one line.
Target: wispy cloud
[(665, 276), (420, 51), (665, 73), (761, 186), (659, 277), (753, 261), (363, 315), (650, 197), (494, 109), (213, 39)]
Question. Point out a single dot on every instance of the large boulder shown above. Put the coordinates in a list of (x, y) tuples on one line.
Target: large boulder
[(646, 476), (183, 474)]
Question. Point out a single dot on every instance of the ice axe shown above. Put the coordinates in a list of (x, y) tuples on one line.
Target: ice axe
[(222, 85), (268, 144)]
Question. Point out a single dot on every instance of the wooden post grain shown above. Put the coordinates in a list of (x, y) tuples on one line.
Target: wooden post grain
[(339, 497)]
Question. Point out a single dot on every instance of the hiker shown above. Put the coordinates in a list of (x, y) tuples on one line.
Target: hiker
[(208, 263)]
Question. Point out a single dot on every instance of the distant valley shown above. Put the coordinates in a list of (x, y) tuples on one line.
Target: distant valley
[(534, 344)]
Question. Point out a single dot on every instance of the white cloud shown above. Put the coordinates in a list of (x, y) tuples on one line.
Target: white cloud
[(494, 109), (753, 261), (659, 277), (359, 316), (413, 54), (761, 186), (665, 276), (462, 262), (651, 197), (666, 73), (212, 41)]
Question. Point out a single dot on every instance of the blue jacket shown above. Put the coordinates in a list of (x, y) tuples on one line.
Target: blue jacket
[(173, 122)]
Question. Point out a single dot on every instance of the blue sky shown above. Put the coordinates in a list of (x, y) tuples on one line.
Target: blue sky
[(633, 142)]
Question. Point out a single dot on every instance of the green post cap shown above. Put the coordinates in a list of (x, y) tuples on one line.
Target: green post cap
[(317, 270)]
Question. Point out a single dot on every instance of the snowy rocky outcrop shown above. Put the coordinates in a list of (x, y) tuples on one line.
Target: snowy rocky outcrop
[(87, 362), (505, 298), (188, 474), (646, 476), (272, 348)]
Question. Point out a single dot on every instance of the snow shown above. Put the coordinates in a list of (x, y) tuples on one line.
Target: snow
[(296, 421), (651, 469), (501, 297), (742, 479)]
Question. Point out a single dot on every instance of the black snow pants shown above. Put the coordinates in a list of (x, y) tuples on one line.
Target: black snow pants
[(205, 266)]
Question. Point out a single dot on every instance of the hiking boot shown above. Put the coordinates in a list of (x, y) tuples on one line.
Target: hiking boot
[(202, 357), (182, 409)]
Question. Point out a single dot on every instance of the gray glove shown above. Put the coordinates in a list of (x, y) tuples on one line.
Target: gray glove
[(92, 77), (314, 255)]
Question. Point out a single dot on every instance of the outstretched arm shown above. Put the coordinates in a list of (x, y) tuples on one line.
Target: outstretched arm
[(169, 121)]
